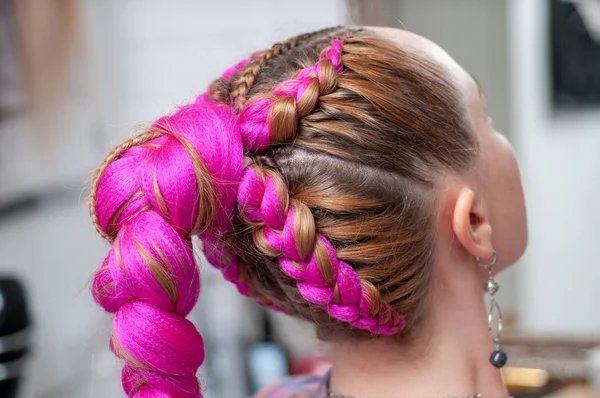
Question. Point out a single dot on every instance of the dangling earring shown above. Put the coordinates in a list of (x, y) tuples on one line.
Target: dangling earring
[(498, 357)]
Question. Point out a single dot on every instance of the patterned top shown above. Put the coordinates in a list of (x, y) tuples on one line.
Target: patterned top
[(297, 387)]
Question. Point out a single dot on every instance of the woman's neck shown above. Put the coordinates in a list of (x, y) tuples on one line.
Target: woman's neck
[(449, 359)]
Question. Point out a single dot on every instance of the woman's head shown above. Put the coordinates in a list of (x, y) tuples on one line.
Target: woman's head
[(318, 175)]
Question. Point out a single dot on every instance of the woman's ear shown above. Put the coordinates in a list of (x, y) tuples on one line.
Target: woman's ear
[(471, 226)]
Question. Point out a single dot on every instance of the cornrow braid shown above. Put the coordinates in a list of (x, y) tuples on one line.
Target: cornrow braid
[(252, 70)]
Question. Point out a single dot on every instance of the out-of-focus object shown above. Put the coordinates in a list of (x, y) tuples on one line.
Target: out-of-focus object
[(565, 359), (544, 365), (267, 359), (593, 361), (49, 34), (12, 93), (50, 132), (315, 365), (577, 391), (373, 12), (14, 335), (575, 32), (525, 377)]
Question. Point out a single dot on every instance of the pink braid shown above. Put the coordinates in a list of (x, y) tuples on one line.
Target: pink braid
[(259, 200), (149, 198), (254, 118)]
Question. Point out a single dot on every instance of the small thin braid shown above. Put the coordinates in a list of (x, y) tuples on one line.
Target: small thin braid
[(109, 232), (253, 69), (248, 76)]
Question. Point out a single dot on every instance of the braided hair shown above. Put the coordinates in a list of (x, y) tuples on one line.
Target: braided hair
[(307, 173)]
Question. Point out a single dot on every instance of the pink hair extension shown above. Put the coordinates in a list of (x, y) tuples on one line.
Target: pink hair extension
[(254, 119), (148, 201), (260, 202)]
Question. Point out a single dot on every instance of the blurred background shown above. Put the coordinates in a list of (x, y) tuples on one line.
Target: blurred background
[(78, 76)]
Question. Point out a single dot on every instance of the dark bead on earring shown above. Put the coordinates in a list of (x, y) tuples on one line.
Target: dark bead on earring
[(498, 358)]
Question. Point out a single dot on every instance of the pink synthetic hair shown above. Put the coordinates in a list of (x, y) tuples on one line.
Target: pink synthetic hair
[(150, 197)]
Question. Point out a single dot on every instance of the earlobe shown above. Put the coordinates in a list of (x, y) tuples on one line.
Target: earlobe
[(471, 225)]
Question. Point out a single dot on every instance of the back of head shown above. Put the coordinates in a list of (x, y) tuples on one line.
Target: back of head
[(307, 171)]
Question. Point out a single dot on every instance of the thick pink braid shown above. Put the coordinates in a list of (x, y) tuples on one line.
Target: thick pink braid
[(149, 199), (343, 293)]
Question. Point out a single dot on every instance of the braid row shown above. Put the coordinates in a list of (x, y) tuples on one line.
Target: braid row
[(253, 69), (284, 228)]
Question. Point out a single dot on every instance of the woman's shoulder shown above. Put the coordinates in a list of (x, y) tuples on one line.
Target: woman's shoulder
[(309, 386)]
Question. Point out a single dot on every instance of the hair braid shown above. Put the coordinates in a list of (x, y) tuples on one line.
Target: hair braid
[(337, 227), (148, 198), (284, 228), (253, 69)]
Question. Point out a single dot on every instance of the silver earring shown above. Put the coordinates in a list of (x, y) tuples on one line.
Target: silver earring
[(498, 358)]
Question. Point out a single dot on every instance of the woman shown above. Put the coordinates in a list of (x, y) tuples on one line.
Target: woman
[(350, 177)]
